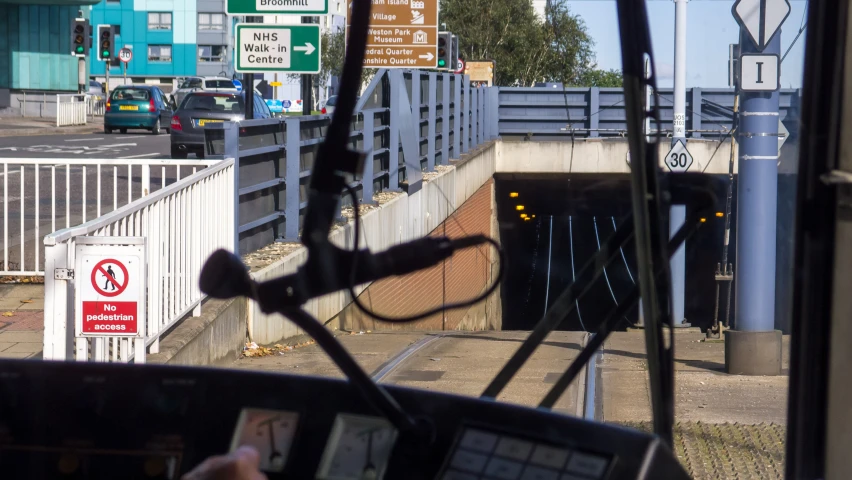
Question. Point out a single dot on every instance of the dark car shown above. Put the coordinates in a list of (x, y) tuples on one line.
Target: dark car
[(199, 109), (137, 106)]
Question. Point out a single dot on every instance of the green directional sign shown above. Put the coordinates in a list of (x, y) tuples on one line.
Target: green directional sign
[(278, 48), (276, 7)]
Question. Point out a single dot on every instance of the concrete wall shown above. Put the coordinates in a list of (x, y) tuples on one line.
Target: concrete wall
[(599, 155), (405, 218)]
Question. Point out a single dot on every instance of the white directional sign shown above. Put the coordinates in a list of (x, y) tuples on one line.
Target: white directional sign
[(679, 159), (762, 19), (760, 73)]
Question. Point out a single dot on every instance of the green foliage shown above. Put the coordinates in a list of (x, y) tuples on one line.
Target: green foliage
[(526, 49), (333, 52)]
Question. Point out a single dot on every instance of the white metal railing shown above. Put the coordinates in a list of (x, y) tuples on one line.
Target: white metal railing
[(71, 110), (183, 224), (96, 105), (87, 188)]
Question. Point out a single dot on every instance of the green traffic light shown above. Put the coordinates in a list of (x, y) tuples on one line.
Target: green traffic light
[(105, 53), (79, 49), (442, 63)]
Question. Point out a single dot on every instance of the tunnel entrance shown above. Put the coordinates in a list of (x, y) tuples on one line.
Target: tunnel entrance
[(564, 219)]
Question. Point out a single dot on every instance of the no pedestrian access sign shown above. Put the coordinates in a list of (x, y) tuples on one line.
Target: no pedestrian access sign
[(278, 48), (276, 7), (110, 289)]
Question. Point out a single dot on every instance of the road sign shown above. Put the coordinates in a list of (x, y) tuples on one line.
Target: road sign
[(679, 159), (459, 66), (238, 84), (783, 133), (278, 48), (110, 299), (276, 7), (125, 55), (480, 71), (760, 73), (762, 19), (402, 34)]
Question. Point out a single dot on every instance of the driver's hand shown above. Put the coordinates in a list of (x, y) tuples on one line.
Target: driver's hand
[(242, 464)]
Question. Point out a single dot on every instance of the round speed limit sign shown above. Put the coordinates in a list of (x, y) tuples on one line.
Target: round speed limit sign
[(125, 55)]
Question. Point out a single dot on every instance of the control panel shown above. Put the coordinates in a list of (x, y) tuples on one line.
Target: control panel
[(76, 420)]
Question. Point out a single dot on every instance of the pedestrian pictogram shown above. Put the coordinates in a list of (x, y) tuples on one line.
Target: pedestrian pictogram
[(112, 274)]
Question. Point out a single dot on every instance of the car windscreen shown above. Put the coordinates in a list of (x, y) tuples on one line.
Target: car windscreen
[(214, 103), (219, 84), (130, 94), (332, 101)]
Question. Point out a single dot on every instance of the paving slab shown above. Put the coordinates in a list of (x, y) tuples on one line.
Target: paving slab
[(18, 337)]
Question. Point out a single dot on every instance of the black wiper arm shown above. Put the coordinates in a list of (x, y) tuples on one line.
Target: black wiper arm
[(647, 208)]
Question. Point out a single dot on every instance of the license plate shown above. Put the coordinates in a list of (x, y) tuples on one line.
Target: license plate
[(128, 107), (205, 121)]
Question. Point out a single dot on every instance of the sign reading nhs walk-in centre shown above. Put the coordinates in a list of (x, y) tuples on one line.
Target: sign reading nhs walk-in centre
[(278, 48)]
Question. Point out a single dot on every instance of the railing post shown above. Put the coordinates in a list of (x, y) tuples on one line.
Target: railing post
[(368, 177), (457, 115), (474, 117), (396, 83), (232, 149), (58, 111), (594, 109), (416, 115), (430, 134), (446, 113), (480, 130), (57, 304), (466, 114), (146, 179), (696, 111), (291, 179), (493, 112)]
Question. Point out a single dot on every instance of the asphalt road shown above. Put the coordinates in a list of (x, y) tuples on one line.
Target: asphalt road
[(134, 144), (75, 201)]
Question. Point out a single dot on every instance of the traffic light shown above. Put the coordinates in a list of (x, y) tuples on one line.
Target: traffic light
[(454, 53), (106, 43), (445, 40), (80, 37)]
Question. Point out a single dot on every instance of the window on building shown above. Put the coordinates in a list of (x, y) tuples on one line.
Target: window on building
[(159, 21), (212, 53), (159, 53), (211, 21)]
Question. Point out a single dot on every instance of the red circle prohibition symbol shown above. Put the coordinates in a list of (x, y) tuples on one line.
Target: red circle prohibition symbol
[(119, 288)]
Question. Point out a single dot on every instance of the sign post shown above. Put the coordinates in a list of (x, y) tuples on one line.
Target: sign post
[(110, 293), (402, 34), (278, 48), (753, 347), (125, 55)]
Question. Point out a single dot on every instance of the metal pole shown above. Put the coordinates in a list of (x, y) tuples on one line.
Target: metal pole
[(757, 203), (125, 72), (678, 212)]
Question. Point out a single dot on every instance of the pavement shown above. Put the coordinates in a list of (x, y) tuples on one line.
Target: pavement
[(21, 321), (12, 126)]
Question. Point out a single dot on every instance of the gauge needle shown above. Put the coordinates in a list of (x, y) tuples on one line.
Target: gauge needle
[(369, 469), (273, 452)]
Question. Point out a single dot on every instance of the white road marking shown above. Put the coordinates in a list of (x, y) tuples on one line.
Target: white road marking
[(143, 155), (84, 139)]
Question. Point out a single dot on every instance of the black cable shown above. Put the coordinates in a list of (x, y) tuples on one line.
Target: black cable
[(462, 243)]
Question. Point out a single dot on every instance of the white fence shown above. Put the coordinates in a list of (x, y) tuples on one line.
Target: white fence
[(71, 110), (87, 189), (183, 223), (96, 105)]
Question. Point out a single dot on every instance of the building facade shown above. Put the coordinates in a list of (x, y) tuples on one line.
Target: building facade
[(170, 39)]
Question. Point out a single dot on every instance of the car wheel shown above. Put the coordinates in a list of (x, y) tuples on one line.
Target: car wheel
[(107, 130), (122, 130), (156, 130), (176, 153)]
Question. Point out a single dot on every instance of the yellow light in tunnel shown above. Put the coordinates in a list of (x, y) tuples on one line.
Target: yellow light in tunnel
[(702, 220), (519, 207), (720, 214), (513, 195), (523, 215), (533, 216), (527, 219)]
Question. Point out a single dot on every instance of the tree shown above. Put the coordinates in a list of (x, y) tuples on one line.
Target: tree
[(333, 52), (602, 78), (526, 49)]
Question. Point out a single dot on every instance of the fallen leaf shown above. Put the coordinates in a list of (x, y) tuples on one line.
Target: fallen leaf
[(8, 314), (26, 301)]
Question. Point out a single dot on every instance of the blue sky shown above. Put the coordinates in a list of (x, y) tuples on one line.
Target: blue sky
[(711, 28)]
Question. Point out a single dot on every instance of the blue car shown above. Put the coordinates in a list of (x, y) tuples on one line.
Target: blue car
[(137, 107)]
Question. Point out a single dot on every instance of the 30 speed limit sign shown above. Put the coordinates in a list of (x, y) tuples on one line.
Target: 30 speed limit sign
[(125, 55), (678, 159)]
